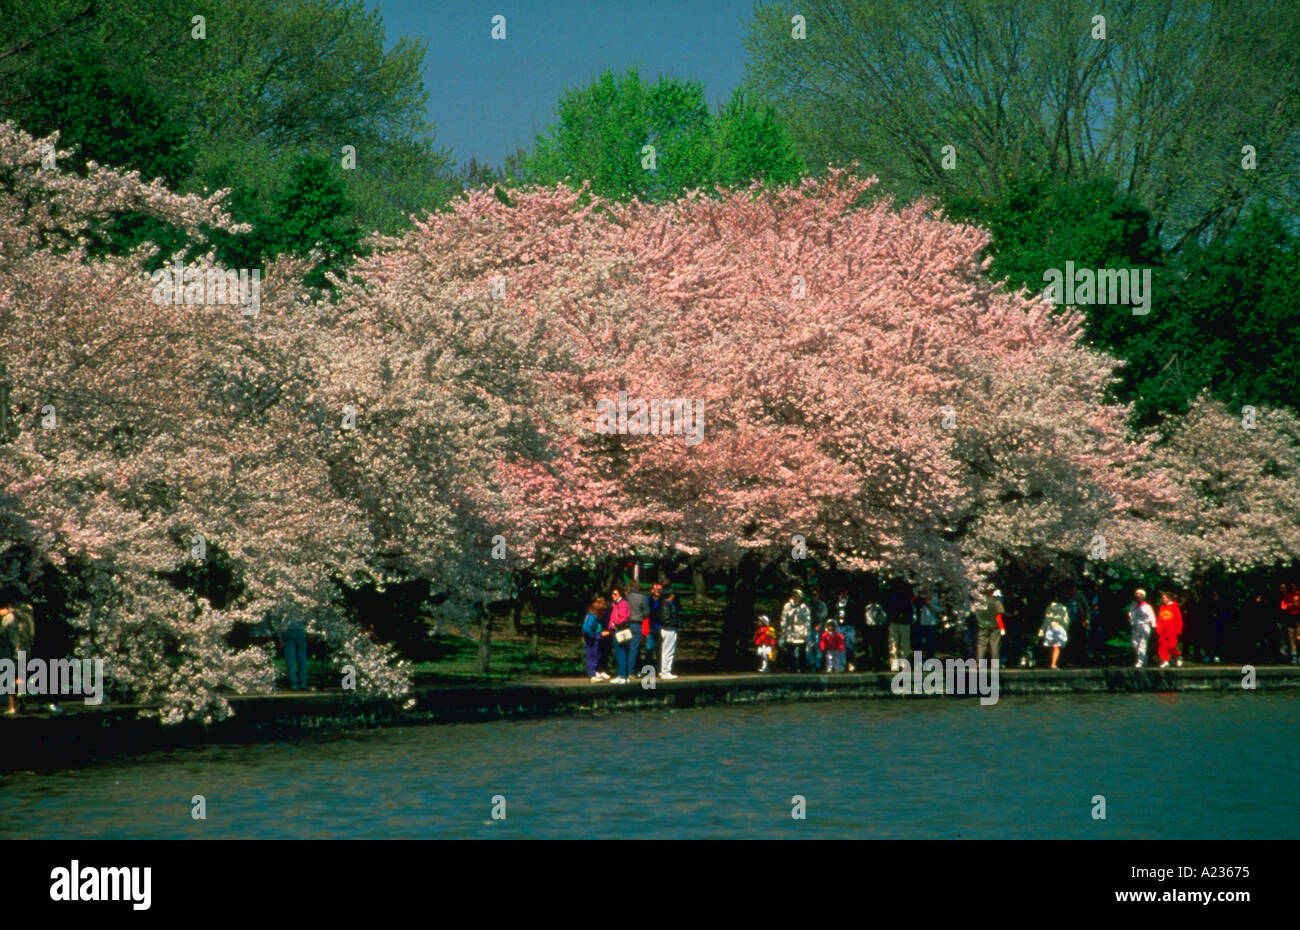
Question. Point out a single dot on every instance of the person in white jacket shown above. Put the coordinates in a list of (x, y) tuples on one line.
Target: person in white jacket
[(796, 627), (1143, 620)]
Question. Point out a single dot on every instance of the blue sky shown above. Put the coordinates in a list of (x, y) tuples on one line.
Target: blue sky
[(490, 97)]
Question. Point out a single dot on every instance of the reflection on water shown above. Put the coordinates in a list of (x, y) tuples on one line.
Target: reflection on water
[(1176, 765)]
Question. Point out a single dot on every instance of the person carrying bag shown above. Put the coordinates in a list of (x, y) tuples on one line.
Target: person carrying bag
[(620, 624)]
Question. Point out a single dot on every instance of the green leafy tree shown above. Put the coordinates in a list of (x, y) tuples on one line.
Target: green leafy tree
[(1240, 315), (1163, 103), (130, 84), (276, 81), (602, 133), (313, 215), (109, 113), (753, 144), (310, 214), (1223, 316), (1037, 224)]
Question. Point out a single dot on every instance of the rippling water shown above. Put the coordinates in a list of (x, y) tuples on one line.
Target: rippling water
[(1169, 766)]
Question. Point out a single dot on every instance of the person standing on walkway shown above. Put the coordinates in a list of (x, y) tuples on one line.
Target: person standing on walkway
[(639, 615), (592, 635), (764, 642), (819, 613), (292, 630), (898, 608), (989, 629), (608, 660), (650, 626), (796, 621), (832, 647), (875, 633), (1169, 626), (1077, 605), (17, 636), (668, 619), (1096, 633), (1142, 620), (844, 621), (1291, 619), (1055, 630), (927, 617), (620, 628)]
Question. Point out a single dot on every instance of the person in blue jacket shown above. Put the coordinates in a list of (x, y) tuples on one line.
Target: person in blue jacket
[(592, 636)]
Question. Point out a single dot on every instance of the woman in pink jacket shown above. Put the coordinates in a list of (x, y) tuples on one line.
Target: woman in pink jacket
[(620, 616)]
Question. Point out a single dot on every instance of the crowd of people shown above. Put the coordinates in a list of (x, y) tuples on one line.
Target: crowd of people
[(904, 623), (632, 630), (637, 630)]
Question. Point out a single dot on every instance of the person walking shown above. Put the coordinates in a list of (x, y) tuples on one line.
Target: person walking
[(796, 621), (1169, 626), (592, 635), (669, 611), (989, 626), (1055, 630), (620, 628), (1142, 620)]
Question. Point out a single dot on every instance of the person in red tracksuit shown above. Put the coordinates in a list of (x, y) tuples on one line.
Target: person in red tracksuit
[(764, 641), (1169, 626)]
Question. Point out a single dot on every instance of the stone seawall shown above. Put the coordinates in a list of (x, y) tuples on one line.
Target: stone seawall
[(83, 735)]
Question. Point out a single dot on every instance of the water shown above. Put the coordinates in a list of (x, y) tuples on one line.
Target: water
[(1170, 766)]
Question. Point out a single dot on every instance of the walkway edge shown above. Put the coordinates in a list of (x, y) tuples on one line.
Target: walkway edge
[(36, 742)]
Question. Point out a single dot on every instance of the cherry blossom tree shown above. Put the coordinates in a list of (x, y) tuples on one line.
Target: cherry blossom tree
[(866, 391), (1238, 477), (149, 431), (848, 387)]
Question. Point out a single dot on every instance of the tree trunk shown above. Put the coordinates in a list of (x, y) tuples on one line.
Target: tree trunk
[(484, 642), (610, 574), (520, 584), (738, 616), (533, 611), (701, 587)]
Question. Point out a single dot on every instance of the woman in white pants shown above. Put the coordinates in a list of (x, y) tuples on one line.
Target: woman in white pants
[(1143, 620)]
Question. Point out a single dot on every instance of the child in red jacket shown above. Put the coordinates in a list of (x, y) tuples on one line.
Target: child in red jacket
[(832, 646), (765, 641), (1169, 626)]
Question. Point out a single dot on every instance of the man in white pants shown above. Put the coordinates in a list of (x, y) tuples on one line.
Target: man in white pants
[(1143, 620), (668, 608)]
